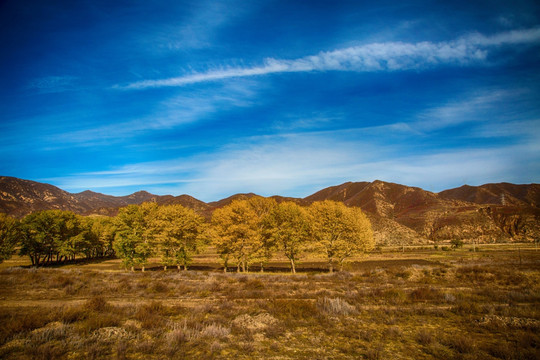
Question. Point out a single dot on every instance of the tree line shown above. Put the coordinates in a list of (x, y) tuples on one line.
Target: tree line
[(244, 233)]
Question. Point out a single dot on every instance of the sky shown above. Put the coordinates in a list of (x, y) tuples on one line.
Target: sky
[(211, 98)]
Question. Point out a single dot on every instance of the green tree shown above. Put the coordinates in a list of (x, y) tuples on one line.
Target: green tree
[(40, 235), (51, 235), (456, 243), (134, 234), (9, 236), (102, 230), (338, 231), (71, 239), (179, 233), (287, 229)]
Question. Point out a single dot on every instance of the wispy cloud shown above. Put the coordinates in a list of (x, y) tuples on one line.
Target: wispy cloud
[(206, 19), (298, 164), (477, 107), (386, 56), (53, 84), (181, 109)]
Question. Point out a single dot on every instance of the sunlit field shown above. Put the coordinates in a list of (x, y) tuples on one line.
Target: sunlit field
[(395, 303)]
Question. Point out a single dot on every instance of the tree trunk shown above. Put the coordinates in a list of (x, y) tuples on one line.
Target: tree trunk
[(132, 268), (178, 266), (293, 266), (185, 267), (262, 267), (143, 268), (331, 268), (164, 267)]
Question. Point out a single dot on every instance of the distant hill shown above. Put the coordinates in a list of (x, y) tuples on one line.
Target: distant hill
[(399, 214), (468, 212), (510, 194), (21, 197)]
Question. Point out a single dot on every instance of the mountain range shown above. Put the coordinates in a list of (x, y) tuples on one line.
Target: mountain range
[(399, 214)]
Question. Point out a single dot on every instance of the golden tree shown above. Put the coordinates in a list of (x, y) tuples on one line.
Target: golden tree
[(338, 231), (237, 232), (178, 232), (288, 228)]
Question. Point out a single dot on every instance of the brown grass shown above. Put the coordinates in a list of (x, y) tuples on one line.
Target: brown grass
[(451, 305)]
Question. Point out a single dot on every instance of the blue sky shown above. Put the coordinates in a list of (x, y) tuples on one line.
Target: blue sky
[(212, 98)]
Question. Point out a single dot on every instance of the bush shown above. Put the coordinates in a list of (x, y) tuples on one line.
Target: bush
[(424, 337), (456, 243), (425, 294), (460, 343), (293, 310), (336, 306), (215, 331), (97, 304)]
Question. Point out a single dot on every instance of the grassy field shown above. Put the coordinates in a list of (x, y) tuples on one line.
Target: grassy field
[(420, 303)]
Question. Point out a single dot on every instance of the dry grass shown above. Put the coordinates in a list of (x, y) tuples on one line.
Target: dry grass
[(452, 305)]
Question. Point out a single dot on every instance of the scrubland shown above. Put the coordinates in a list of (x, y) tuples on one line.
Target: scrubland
[(422, 303)]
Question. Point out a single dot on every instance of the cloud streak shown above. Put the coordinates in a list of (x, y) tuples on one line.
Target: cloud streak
[(297, 164), (182, 109), (386, 56)]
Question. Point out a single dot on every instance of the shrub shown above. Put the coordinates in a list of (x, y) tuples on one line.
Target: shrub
[(215, 331), (424, 337), (460, 343), (393, 332), (336, 306), (425, 294), (394, 296), (376, 352), (159, 287), (20, 323), (98, 321), (293, 309), (456, 243), (97, 304)]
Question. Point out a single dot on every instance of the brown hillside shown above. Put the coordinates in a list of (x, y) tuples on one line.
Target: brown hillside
[(395, 210), (224, 202), (341, 192), (518, 195), (399, 214), (20, 197)]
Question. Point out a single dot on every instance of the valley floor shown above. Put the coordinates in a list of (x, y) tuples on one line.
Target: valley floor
[(418, 304)]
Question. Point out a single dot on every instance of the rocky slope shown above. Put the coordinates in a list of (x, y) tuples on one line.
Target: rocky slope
[(399, 214), (487, 213)]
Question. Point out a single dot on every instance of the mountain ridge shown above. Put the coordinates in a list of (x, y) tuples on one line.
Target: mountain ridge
[(398, 213)]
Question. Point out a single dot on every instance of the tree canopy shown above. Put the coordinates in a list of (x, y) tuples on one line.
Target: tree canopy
[(179, 234), (338, 231), (287, 228), (9, 235), (134, 234), (244, 233)]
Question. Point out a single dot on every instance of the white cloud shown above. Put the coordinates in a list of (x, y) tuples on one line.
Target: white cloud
[(387, 56), (205, 19), (181, 109), (53, 84), (512, 37), (300, 164), (478, 107)]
